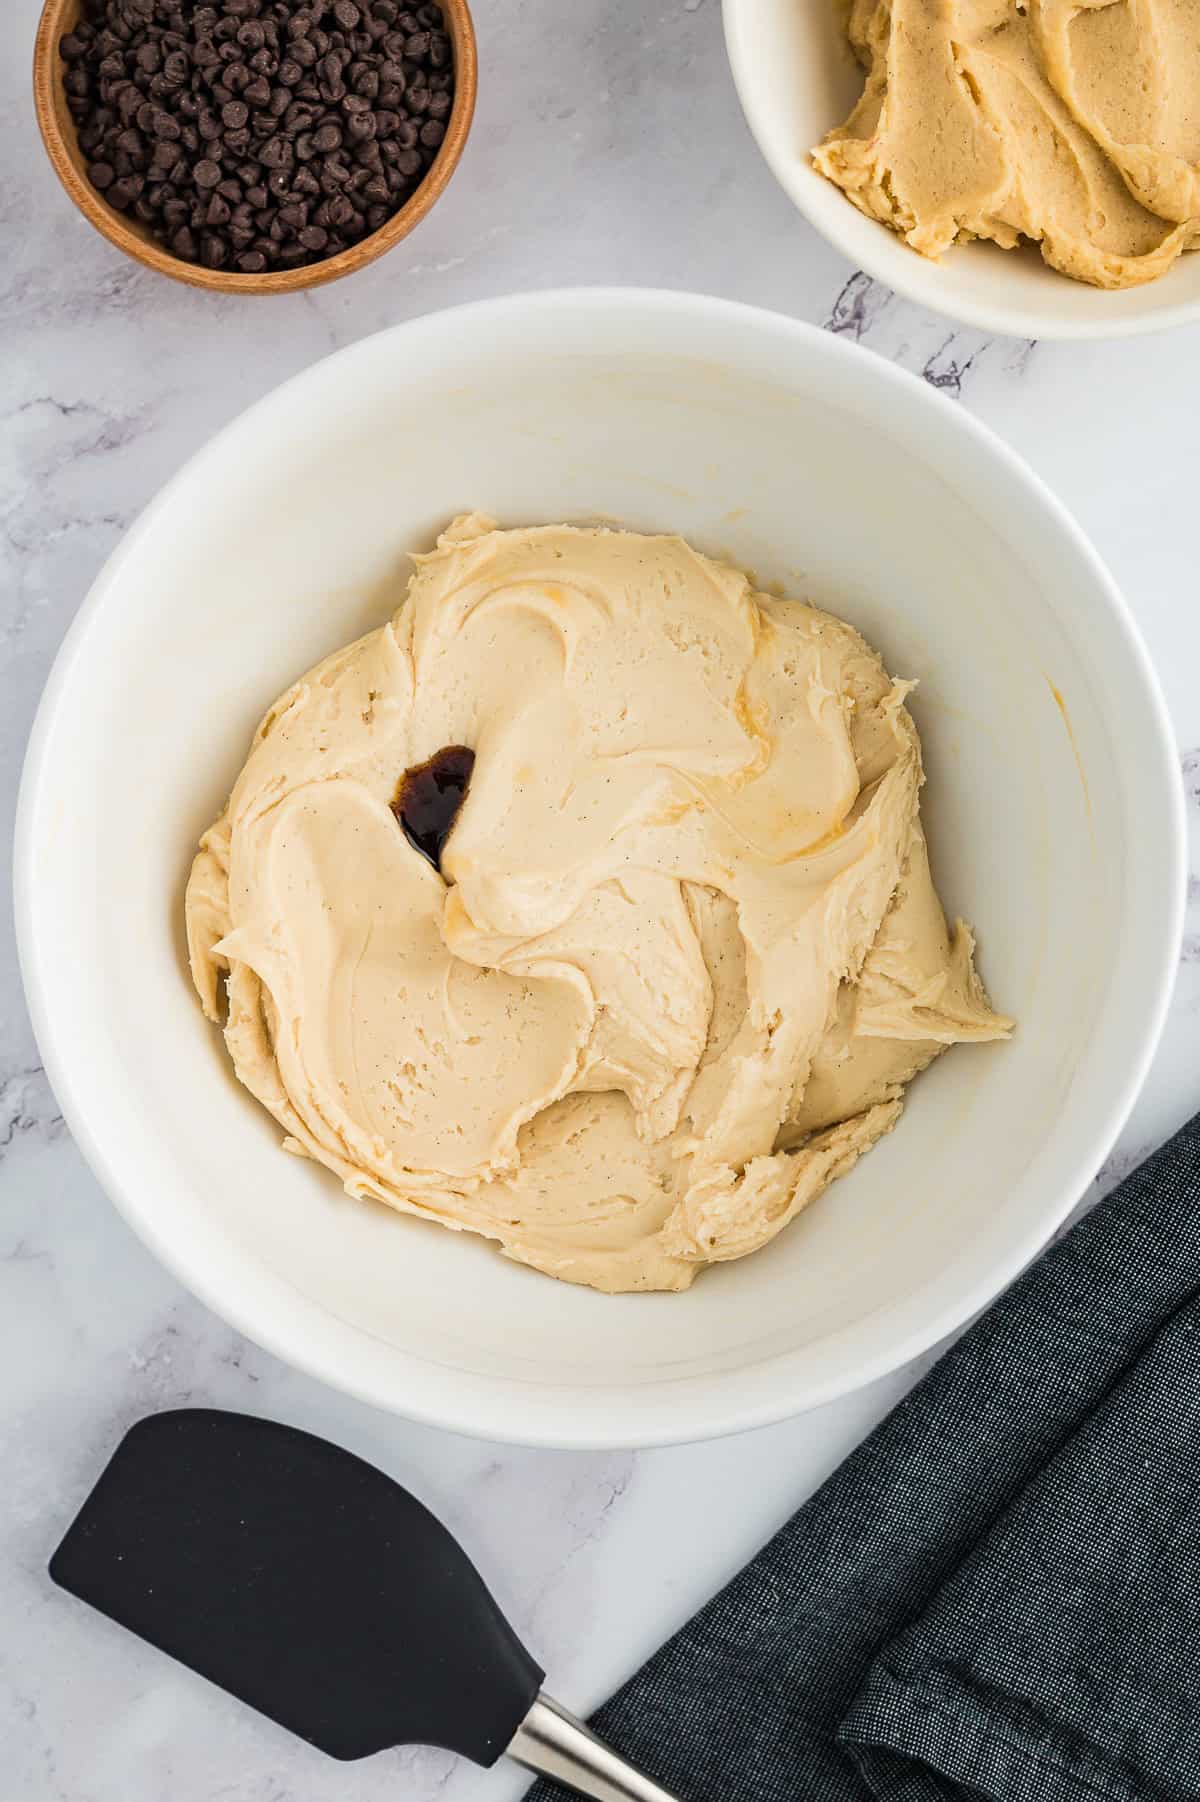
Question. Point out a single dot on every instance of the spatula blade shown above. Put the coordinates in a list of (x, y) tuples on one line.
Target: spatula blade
[(301, 1580)]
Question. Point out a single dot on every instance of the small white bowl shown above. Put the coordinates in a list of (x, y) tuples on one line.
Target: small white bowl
[(1053, 804), (797, 78)]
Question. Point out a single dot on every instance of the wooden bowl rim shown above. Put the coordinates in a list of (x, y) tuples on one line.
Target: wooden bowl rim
[(67, 159)]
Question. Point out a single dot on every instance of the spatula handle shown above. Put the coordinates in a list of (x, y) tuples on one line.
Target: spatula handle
[(554, 1744)]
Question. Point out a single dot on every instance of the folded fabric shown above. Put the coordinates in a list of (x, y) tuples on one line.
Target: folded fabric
[(998, 1594)]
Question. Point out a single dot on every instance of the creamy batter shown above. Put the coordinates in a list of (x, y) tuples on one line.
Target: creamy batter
[(682, 952), (1074, 123)]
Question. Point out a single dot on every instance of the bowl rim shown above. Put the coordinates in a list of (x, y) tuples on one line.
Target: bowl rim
[(915, 278), (66, 158), (552, 1419)]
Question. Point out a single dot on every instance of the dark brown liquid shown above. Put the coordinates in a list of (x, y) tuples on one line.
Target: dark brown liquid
[(429, 797)]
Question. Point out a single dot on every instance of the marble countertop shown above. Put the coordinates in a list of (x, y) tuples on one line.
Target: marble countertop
[(608, 147)]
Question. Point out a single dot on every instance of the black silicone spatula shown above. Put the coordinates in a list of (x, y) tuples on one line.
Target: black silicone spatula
[(312, 1587)]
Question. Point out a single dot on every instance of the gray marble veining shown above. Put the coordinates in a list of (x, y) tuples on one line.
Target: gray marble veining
[(608, 147)]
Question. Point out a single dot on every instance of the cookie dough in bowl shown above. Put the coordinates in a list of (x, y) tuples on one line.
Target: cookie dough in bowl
[(663, 968), (1073, 124), (1065, 130), (1052, 811)]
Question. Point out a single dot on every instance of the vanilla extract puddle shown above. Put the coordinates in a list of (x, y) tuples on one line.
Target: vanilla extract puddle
[(429, 797)]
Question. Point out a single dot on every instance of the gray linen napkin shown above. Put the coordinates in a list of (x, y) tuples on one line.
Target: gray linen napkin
[(998, 1594)]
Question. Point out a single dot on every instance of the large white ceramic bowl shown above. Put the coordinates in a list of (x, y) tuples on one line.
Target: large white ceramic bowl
[(1053, 806), (797, 78)]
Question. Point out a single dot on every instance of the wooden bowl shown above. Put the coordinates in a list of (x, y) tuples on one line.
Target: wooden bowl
[(130, 235)]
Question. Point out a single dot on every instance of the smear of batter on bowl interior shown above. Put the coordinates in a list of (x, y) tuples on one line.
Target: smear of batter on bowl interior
[(664, 973), (1073, 123)]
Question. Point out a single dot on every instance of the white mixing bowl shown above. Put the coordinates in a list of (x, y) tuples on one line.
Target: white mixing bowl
[(1053, 805), (797, 78)]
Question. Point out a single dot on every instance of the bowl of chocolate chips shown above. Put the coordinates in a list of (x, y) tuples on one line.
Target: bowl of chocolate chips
[(254, 146)]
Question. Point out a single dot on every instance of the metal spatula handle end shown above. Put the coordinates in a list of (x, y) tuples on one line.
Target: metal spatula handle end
[(554, 1744)]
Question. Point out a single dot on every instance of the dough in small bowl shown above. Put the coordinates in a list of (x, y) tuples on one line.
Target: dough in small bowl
[(1072, 123)]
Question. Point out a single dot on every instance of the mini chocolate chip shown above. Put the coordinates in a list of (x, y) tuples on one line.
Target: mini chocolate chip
[(432, 133), (276, 154), (235, 114), (101, 175), (207, 173), (313, 237)]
